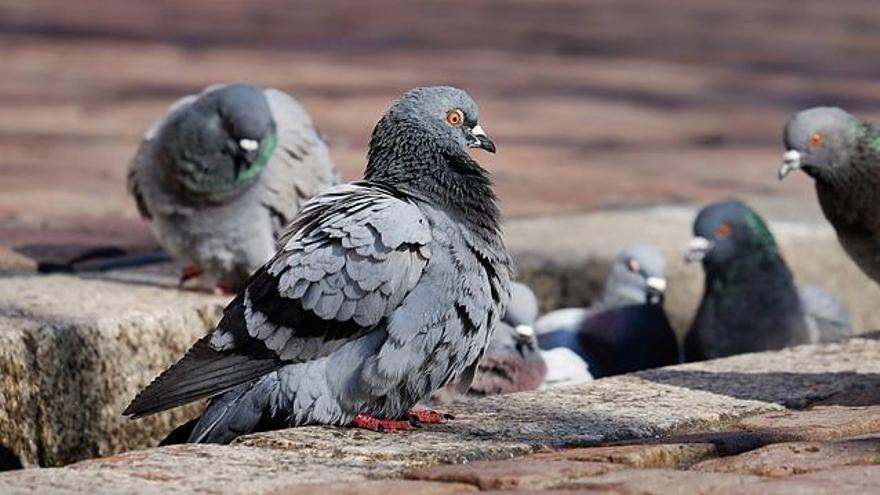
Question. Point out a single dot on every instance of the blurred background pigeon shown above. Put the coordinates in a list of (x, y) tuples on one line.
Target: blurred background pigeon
[(223, 172), (750, 302), (384, 291), (842, 155), (512, 362), (627, 329)]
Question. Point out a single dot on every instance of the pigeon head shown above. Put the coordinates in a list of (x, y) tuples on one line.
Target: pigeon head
[(819, 141), (727, 232), (219, 143), (425, 136), (637, 277)]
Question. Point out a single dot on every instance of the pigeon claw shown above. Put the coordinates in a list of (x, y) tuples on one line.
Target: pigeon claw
[(429, 417), (190, 272), (366, 422)]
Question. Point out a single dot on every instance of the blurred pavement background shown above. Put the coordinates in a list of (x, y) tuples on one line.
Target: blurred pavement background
[(594, 104)]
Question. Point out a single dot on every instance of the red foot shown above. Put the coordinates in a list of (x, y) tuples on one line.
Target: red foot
[(429, 417), (375, 424), (189, 272)]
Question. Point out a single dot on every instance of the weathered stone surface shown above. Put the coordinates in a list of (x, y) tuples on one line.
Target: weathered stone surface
[(661, 402), (645, 406), (73, 353), (566, 258), (671, 455), (786, 459), (518, 474), (379, 487), (188, 469), (852, 480), (663, 482), (12, 262)]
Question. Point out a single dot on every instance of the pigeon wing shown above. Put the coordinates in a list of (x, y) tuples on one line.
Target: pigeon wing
[(347, 261), (300, 167)]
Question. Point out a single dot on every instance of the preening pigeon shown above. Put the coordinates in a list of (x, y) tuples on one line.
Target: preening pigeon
[(750, 301), (223, 172), (842, 155), (512, 362), (627, 329), (384, 290)]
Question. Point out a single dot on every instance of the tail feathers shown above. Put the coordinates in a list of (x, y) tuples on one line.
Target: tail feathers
[(202, 373), (239, 411), (180, 434)]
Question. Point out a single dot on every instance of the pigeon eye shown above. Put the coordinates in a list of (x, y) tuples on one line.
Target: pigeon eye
[(723, 231), (816, 140), (633, 265), (454, 117)]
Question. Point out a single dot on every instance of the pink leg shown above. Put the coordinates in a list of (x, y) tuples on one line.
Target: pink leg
[(370, 423), (429, 417), (190, 272)]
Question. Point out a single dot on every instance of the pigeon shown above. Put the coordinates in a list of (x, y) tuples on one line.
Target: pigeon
[(512, 362), (842, 155), (384, 290), (222, 173), (750, 302), (627, 329)]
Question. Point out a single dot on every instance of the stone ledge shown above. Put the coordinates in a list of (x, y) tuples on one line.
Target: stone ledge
[(74, 352), (743, 395)]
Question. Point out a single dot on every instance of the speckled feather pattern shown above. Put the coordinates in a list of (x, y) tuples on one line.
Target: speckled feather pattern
[(382, 291)]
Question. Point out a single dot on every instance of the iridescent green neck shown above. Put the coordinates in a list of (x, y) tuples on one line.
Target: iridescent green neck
[(262, 159)]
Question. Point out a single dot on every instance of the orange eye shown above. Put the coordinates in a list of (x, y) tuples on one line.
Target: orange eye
[(816, 140), (454, 117), (723, 231)]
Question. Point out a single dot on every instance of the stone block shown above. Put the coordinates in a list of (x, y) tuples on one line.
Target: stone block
[(74, 352)]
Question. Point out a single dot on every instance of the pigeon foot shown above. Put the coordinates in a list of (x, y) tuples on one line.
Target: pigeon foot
[(370, 423), (429, 417), (190, 272)]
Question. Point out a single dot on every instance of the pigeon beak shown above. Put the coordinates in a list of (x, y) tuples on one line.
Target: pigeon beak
[(657, 284), (656, 287), (790, 160), (249, 144), (525, 330), (697, 249), (481, 140)]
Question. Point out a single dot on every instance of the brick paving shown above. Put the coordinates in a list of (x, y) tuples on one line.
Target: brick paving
[(594, 104)]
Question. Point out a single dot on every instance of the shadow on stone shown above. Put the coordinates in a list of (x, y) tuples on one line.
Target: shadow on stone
[(8, 460), (784, 388)]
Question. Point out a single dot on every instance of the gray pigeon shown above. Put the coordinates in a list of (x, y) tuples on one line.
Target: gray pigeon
[(842, 155), (627, 329), (512, 362), (221, 175), (750, 302), (384, 291)]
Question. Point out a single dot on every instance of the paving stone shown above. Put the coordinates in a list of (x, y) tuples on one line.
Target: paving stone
[(379, 487), (822, 423), (852, 480), (74, 352), (12, 262), (786, 459), (663, 482), (208, 469), (641, 456), (518, 474), (690, 397)]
